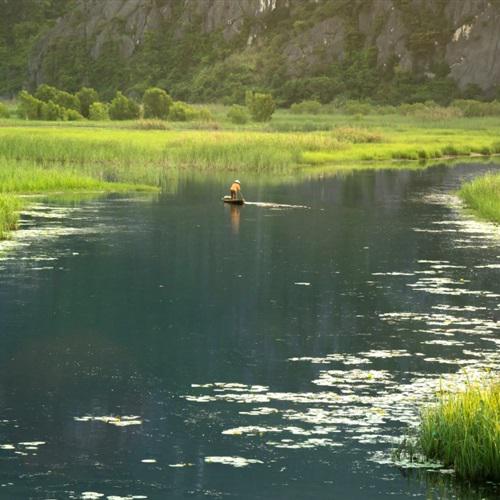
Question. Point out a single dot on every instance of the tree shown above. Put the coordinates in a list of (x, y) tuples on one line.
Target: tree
[(98, 111), (29, 107), (123, 108), (261, 106), (87, 96), (157, 103)]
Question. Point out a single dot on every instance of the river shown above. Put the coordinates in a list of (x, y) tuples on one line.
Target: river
[(173, 347)]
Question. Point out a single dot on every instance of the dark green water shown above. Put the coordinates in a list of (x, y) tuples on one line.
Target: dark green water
[(299, 339)]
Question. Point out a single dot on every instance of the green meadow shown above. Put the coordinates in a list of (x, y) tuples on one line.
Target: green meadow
[(137, 155)]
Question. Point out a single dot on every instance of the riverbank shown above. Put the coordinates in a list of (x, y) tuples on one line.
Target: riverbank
[(482, 195), (462, 431), (119, 156)]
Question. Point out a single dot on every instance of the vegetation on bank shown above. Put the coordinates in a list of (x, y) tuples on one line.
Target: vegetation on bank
[(52, 104), (482, 195), (9, 213), (462, 431)]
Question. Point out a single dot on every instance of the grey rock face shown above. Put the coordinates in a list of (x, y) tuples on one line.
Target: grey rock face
[(472, 51)]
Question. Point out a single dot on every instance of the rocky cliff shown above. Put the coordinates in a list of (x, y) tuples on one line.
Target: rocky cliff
[(415, 36)]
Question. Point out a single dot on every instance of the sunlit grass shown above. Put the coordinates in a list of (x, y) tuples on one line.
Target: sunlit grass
[(463, 431), (483, 196), (9, 213)]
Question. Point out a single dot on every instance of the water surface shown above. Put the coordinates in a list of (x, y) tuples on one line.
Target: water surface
[(174, 347)]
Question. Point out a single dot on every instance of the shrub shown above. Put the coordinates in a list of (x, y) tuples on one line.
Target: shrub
[(306, 107), (238, 114), (472, 108), (51, 111), (261, 106), (87, 96), (357, 108), (29, 107), (123, 108), (71, 115), (46, 93), (98, 111), (204, 115), (181, 112), (4, 112), (156, 103)]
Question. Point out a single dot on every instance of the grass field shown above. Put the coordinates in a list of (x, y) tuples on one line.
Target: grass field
[(482, 195), (463, 431), (112, 156)]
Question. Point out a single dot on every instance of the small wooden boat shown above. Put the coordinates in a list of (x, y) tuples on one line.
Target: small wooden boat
[(232, 201)]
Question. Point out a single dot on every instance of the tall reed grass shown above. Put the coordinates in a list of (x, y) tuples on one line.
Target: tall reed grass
[(9, 214), (463, 431), (482, 195)]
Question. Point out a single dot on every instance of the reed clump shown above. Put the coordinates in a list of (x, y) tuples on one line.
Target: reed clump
[(482, 195), (463, 430), (9, 214)]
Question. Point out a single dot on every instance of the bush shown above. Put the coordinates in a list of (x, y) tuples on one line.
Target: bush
[(204, 115), (181, 112), (51, 111), (123, 108), (46, 93), (4, 112), (98, 111), (238, 114), (72, 116), (29, 107), (156, 103), (261, 106), (87, 96), (306, 107), (472, 108), (357, 108)]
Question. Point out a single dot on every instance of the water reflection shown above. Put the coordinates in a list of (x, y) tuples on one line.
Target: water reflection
[(154, 356), (235, 218)]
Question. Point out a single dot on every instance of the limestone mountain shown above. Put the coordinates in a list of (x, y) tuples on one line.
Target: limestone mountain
[(205, 50)]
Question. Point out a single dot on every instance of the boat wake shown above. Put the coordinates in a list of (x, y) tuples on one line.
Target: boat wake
[(273, 205)]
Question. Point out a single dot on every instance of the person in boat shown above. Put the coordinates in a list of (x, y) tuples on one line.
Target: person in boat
[(235, 190)]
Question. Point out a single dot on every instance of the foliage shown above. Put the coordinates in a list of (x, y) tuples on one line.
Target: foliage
[(123, 108), (472, 108), (156, 103), (86, 96), (51, 111), (306, 107), (29, 107), (4, 111), (238, 114), (46, 93), (483, 196), (98, 111), (181, 112), (261, 106)]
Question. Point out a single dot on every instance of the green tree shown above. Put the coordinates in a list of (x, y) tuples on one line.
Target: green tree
[(123, 108), (29, 107), (98, 111), (261, 106), (87, 96), (156, 103)]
